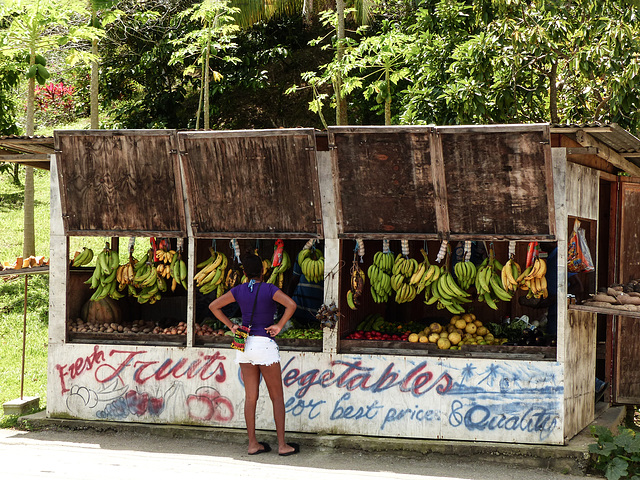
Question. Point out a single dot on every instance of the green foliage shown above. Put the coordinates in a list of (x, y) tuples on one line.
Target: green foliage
[(138, 85), (517, 61), (9, 78), (618, 456)]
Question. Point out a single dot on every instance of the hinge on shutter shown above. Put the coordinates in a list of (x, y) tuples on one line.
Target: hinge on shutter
[(333, 146), (310, 149)]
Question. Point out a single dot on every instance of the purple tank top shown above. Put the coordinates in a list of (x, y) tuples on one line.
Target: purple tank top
[(265, 306)]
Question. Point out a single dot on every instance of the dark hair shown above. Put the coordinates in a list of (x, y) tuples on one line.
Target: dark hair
[(252, 265)]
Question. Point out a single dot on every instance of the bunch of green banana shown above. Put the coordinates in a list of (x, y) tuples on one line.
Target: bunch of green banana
[(446, 293), (489, 284), (277, 274), (465, 274), (82, 258), (178, 269), (357, 285), (509, 274), (103, 279), (146, 279), (402, 273), (431, 274), (211, 275), (311, 263), (379, 274)]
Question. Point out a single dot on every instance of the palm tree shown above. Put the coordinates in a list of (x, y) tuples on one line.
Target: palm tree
[(34, 27)]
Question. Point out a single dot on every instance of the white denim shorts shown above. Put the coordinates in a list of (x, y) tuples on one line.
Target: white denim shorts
[(259, 351)]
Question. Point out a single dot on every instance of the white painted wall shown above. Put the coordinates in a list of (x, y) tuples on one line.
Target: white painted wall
[(419, 397)]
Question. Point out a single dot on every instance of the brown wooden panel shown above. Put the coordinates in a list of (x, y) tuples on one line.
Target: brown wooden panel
[(629, 232), (499, 182), (120, 182), (252, 183), (580, 368), (626, 382), (384, 180)]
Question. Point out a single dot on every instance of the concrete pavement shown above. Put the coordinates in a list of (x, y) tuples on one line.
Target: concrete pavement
[(75, 449)]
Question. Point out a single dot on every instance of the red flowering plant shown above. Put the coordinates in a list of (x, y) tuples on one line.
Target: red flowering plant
[(55, 102)]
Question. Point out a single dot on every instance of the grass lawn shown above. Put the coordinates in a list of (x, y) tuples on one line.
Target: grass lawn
[(12, 296), (12, 291)]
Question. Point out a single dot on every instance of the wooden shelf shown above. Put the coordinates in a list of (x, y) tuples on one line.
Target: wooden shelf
[(44, 269), (387, 347), (605, 310)]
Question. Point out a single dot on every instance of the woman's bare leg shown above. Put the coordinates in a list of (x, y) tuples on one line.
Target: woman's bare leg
[(272, 375), (251, 379)]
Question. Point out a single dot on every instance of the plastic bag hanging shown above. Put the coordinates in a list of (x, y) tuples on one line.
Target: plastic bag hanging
[(579, 256)]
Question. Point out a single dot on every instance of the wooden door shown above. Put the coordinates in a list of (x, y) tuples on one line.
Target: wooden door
[(626, 330)]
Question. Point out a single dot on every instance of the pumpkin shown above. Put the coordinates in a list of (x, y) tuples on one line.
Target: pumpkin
[(102, 311)]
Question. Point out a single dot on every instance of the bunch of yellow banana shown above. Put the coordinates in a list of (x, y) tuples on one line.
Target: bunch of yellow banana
[(277, 274), (164, 256), (419, 274), (103, 279), (126, 273), (465, 274), (82, 258), (533, 279), (357, 285), (311, 263), (404, 270), (211, 275), (233, 277), (379, 274), (489, 284), (509, 274), (446, 293)]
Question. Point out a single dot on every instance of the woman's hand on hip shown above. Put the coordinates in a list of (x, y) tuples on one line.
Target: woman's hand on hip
[(273, 330)]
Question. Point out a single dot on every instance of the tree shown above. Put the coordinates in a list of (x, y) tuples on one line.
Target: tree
[(523, 61), (214, 38), (377, 63), (96, 7), (33, 29)]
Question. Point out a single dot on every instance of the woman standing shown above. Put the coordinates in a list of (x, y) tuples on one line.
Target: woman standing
[(261, 355)]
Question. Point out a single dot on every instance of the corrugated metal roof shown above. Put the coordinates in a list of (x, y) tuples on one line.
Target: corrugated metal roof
[(27, 150), (611, 134)]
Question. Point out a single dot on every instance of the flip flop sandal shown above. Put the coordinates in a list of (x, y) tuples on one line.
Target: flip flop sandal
[(265, 449), (296, 449)]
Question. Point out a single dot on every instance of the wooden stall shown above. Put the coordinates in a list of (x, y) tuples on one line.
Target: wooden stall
[(410, 187)]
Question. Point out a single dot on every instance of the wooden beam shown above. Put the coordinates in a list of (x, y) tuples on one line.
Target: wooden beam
[(610, 155), (582, 151), (23, 157)]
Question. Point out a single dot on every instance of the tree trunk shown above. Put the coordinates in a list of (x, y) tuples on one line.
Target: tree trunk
[(206, 80), (95, 121), (29, 242), (341, 101), (387, 101), (307, 11), (553, 92)]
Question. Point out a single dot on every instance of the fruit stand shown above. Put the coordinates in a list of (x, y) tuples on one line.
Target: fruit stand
[(394, 198)]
